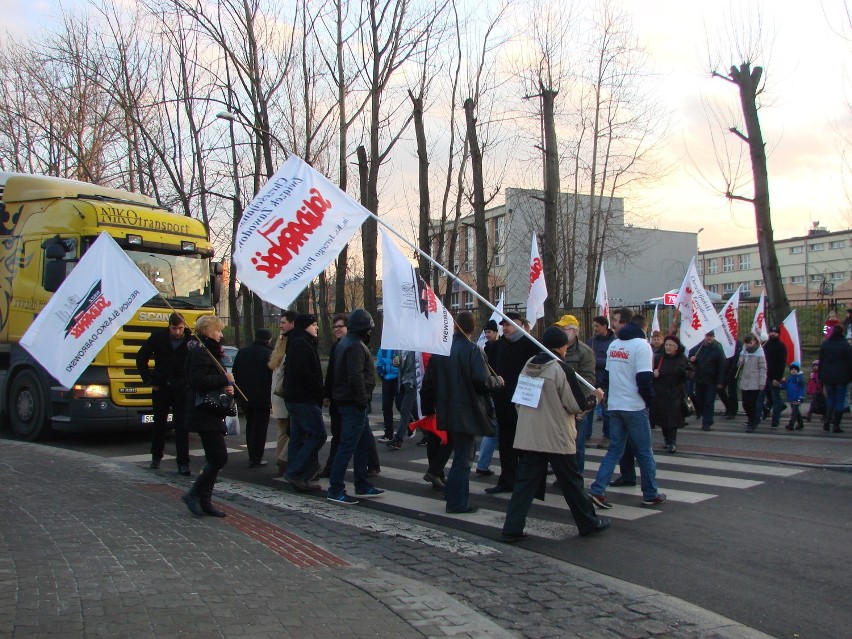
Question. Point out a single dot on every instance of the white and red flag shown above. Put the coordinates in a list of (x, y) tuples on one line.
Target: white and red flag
[(292, 230), (414, 318), (538, 289), (758, 325), (730, 317), (698, 316), (602, 297), (101, 295), (789, 335), (497, 315)]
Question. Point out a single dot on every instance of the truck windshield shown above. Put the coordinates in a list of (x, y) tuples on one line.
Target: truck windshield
[(184, 280)]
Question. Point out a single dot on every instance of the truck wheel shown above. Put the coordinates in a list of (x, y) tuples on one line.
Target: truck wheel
[(29, 410)]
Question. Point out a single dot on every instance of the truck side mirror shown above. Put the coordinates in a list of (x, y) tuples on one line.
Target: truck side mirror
[(216, 270)]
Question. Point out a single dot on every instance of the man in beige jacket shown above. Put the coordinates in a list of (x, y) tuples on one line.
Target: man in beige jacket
[(547, 433)]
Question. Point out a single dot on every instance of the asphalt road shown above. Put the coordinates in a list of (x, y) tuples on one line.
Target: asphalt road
[(773, 556)]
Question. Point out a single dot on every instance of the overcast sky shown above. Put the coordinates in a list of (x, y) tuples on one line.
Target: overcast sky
[(805, 121)]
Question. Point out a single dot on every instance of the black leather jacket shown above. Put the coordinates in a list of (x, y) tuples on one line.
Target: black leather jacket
[(354, 372)]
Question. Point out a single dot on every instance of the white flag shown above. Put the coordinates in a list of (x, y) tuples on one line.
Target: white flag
[(730, 318), (758, 325), (538, 289), (414, 318), (295, 226), (655, 323), (697, 313), (101, 295), (602, 297), (496, 317)]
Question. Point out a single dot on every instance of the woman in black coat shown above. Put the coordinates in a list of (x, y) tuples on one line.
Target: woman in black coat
[(204, 372), (835, 371), (670, 368)]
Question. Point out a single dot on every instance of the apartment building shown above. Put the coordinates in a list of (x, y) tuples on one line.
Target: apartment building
[(815, 267)]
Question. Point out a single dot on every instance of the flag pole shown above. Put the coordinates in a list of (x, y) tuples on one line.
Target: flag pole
[(461, 283)]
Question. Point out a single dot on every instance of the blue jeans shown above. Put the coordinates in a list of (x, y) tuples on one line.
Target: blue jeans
[(635, 426), (774, 393), (458, 479), (835, 397), (355, 438), (307, 436), (486, 450)]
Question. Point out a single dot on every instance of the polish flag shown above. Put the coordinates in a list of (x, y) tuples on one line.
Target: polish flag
[(758, 326), (730, 317), (538, 289), (602, 297), (789, 336)]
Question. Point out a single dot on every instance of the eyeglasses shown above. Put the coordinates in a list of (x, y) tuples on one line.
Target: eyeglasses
[(338, 326)]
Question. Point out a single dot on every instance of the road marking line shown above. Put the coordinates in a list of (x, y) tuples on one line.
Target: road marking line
[(737, 467)]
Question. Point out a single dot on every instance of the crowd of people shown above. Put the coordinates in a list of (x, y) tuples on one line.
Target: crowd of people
[(536, 405)]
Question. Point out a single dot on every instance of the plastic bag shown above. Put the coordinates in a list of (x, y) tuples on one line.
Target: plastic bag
[(232, 424)]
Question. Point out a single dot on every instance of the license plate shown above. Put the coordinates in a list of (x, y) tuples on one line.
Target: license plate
[(149, 419)]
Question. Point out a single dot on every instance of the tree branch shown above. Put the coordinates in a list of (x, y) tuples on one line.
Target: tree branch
[(739, 134), (731, 196)]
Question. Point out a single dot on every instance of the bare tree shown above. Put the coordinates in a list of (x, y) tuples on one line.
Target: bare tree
[(748, 77)]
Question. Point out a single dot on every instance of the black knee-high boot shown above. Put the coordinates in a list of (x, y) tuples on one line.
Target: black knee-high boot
[(207, 504), (838, 415), (192, 499)]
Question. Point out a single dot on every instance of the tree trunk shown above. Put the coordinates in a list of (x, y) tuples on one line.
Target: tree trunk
[(369, 231), (423, 185), (480, 232), (551, 203), (748, 81)]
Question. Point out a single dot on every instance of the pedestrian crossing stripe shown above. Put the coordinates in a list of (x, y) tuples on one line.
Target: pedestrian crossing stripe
[(713, 464)]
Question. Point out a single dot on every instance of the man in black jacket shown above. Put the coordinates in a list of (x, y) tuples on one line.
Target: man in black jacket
[(254, 379), (776, 365), (456, 389), (168, 387), (352, 388), (512, 352), (710, 363)]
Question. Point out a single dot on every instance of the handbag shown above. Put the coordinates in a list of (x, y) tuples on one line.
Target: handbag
[(687, 407), (216, 402)]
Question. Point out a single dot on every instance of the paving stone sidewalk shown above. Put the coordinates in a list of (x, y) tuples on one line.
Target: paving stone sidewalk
[(94, 548)]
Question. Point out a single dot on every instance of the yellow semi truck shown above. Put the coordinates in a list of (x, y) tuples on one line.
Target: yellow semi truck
[(46, 225)]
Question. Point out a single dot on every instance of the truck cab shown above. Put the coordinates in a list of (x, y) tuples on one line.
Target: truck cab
[(46, 225)]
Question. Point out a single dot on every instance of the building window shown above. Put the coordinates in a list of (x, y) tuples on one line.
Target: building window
[(816, 278), (728, 264), (468, 300), (713, 288), (818, 247), (729, 287), (700, 267), (745, 262), (837, 244), (797, 279), (795, 250), (468, 248), (758, 283), (745, 289), (498, 240), (713, 266), (836, 277)]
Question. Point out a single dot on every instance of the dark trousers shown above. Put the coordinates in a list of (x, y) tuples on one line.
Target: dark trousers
[(750, 406), (507, 423), (307, 437), (705, 398), (163, 400), (389, 392), (438, 453), (728, 395), (532, 473), (458, 481), (257, 425), (216, 456), (627, 463), (334, 415)]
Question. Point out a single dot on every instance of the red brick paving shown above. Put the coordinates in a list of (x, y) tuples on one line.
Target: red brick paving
[(295, 549)]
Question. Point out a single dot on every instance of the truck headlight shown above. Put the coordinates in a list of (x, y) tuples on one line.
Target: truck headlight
[(90, 390)]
